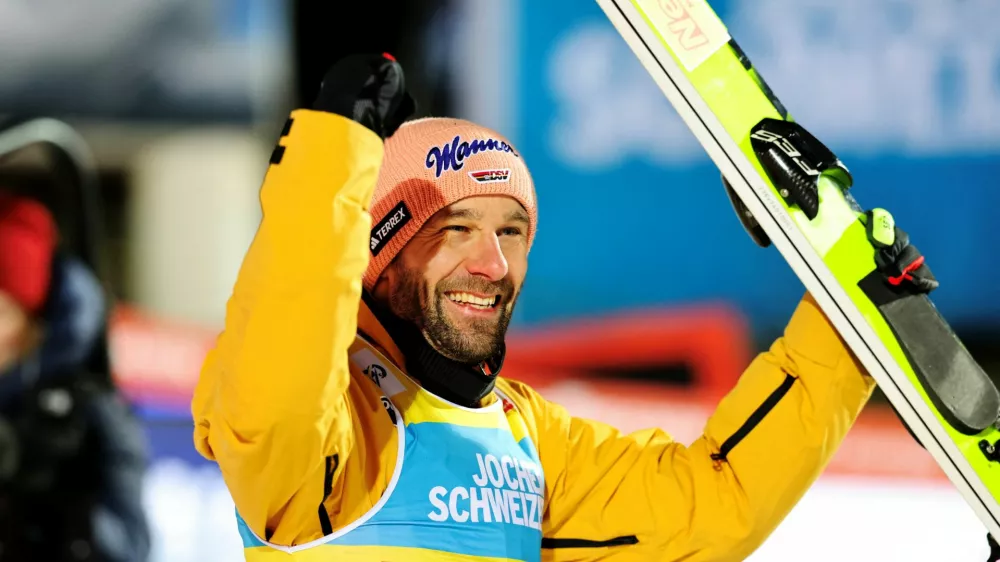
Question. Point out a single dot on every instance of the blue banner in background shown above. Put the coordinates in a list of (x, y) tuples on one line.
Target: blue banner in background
[(633, 214)]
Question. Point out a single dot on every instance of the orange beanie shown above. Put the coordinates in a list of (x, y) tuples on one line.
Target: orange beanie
[(431, 163)]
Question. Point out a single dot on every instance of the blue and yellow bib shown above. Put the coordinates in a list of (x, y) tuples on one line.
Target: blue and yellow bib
[(467, 485)]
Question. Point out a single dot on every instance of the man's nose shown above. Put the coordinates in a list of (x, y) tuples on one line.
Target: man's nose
[(488, 259)]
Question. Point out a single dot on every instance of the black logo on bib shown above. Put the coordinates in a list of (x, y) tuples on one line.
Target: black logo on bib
[(388, 408), (376, 373)]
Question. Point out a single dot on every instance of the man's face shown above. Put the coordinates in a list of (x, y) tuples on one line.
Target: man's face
[(14, 331), (459, 277)]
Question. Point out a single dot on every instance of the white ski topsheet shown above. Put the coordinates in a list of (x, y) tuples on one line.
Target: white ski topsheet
[(798, 252)]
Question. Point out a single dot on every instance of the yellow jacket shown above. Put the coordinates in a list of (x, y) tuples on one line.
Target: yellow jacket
[(305, 447)]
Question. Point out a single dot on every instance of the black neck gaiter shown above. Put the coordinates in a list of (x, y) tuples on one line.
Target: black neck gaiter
[(459, 383)]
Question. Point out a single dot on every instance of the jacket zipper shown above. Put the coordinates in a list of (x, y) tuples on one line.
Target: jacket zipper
[(755, 418), (585, 543), (332, 463)]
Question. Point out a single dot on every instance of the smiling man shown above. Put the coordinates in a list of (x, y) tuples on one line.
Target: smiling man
[(450, 255), (353, 401)]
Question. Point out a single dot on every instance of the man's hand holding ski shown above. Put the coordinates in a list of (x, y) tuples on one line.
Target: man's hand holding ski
[(794, 159), (900, 262)]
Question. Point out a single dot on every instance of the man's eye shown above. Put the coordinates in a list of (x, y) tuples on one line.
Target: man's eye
[(510, 231), (456, 228)]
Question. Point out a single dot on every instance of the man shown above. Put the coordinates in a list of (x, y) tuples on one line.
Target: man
[(353, 404), (71, 454)]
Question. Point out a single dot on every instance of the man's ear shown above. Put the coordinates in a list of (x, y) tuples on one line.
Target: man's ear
[(380, 290)]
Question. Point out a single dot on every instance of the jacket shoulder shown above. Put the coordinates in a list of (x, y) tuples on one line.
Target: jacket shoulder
[(540, 415), (521, 394)]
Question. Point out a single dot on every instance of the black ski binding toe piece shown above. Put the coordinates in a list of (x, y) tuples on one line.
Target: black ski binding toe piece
[(794, 160)]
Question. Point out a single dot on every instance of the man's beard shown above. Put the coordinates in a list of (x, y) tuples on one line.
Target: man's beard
[(474, 341)]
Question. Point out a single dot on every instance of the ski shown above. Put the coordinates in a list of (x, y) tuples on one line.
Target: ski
[(792, 192)]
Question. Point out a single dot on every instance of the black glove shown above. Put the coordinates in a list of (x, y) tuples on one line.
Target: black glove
[(896, 259), (369, 89)]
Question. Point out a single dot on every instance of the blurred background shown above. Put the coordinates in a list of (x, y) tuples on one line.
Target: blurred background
[(645, 298)]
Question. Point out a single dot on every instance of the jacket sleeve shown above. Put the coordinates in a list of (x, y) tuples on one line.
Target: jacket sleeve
[(270, 405), (720, 497)]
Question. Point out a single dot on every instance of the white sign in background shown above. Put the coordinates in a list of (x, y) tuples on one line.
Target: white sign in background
[(839, 519), (870, 77)]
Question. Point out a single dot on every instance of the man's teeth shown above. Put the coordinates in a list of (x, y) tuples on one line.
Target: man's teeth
[(466, 298)]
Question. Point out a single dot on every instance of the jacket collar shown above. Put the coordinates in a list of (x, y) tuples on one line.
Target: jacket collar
[(373, 331)]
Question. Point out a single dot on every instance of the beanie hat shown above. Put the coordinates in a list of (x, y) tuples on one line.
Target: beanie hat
[(431, 163), (27, 241)]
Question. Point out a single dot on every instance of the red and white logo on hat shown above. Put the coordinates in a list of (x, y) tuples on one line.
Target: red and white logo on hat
[(490, 176)]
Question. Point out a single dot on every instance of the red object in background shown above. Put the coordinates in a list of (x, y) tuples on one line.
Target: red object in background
[(158, 362), (154, 360), (28, 237), (712, 341), (161, 360)]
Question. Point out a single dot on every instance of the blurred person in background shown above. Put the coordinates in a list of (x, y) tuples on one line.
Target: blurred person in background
[(353, 401), (72, 457)]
